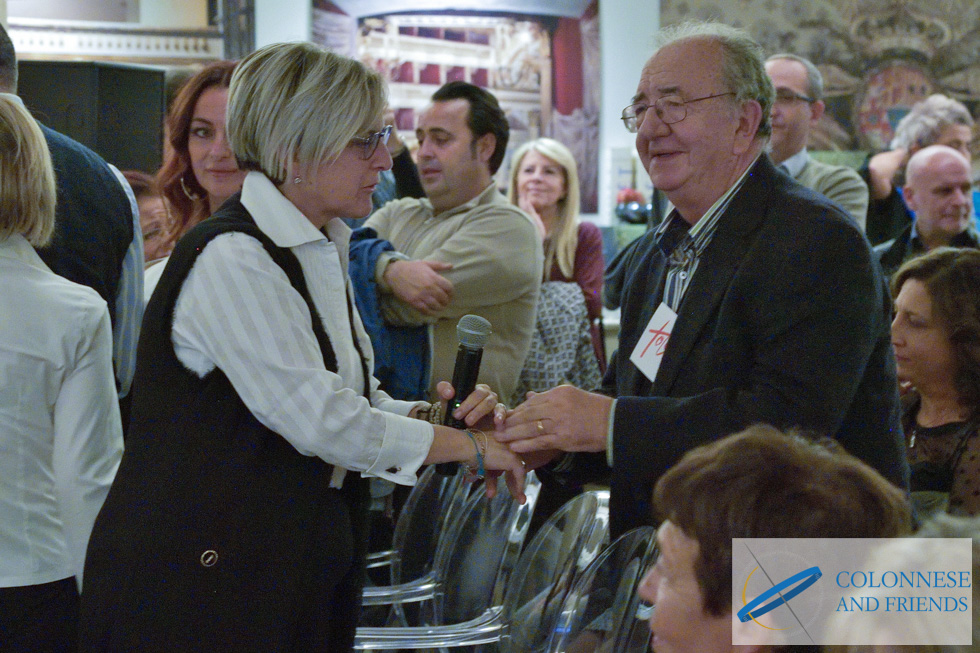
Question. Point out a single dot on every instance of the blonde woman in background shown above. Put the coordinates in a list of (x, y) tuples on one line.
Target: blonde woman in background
[(60, 432), (544, 183)]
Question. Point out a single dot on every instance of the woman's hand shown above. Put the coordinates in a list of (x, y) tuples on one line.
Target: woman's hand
[(480, 410), (529, 208), (499, 459)]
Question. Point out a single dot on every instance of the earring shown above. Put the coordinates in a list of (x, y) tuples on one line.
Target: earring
[(187, 191), (297, 180)]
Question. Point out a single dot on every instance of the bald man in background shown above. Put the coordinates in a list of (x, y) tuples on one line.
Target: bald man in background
[(938, 189)]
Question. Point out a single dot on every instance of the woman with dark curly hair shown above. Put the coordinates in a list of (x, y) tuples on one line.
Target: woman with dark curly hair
[(936, 336), (200, 171)]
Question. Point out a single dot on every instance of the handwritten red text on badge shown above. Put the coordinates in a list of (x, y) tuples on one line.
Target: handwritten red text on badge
[(649, 350)]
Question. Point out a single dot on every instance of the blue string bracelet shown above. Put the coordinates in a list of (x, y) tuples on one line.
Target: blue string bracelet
[(481, 472)]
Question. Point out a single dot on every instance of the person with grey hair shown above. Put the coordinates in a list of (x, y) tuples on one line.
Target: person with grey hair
[(937, 120), (756, 301), (798, 108), (933, 120), (237, 521)]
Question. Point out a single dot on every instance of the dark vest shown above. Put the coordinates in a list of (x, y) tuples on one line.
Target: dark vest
[(215, 526), (93, 219)]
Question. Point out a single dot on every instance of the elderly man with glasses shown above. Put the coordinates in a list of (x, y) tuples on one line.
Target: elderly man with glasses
[(797, 109), (757, 300)]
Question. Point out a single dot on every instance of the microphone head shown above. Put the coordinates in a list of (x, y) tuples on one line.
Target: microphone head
[(473, 331)]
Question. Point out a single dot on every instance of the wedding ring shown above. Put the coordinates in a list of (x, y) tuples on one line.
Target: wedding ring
[(540, 427)]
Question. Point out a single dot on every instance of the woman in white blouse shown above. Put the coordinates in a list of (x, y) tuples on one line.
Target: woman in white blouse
[(60, 433), (237, 519)]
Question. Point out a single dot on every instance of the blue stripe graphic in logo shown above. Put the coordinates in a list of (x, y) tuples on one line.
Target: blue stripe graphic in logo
[(805, 578)]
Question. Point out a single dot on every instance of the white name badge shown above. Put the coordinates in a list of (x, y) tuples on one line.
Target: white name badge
[(650, 348)]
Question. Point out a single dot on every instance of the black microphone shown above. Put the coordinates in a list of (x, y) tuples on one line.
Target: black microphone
[(473, 333)]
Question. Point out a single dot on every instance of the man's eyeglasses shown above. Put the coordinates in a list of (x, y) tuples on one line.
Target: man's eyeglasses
[(786, 96), (370, 143), (670, 110)]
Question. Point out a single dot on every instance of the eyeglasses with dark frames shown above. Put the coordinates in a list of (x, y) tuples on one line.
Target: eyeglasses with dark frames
[(785, 95), (370, 143), (670, 109)]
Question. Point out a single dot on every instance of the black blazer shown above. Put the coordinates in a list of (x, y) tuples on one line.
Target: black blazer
[(786, 321)]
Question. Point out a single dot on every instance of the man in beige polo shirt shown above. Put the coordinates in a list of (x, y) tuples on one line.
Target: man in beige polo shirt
[(463, 249)]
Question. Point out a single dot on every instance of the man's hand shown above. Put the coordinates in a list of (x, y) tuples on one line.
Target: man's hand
[(419, 284), (564, 418), (882, 168), (395, 144)]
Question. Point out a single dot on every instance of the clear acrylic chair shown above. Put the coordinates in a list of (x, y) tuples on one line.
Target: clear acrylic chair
[(603, 612), (474, 561), (434, 500), (564, 547)]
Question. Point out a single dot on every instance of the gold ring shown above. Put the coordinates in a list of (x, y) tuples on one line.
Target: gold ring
[(540, 427)]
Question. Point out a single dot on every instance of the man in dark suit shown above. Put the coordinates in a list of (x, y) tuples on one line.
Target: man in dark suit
[(756, 300)]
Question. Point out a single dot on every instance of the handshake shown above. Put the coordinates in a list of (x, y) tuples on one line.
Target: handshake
[(562, 419)]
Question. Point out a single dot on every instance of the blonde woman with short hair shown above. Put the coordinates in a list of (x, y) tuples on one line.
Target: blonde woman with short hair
[(237, 522), (60, 432)]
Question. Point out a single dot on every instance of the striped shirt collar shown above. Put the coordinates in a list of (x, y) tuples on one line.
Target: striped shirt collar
[(700, 233), (281, 221)]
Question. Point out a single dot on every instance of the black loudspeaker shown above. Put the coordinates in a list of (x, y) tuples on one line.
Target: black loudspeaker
[(115, 109)]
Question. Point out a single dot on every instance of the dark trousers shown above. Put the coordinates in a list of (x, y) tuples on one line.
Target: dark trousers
[(341, 596), (39, 618)]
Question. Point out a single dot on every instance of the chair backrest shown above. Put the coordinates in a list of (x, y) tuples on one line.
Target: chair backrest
[(477, 553), (601, 609), (435, 500), (559, 552), (561, 344)]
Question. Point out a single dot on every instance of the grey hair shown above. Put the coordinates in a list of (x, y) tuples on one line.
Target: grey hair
[(814, 80), (743, 69), (292, 106), (925, 122)]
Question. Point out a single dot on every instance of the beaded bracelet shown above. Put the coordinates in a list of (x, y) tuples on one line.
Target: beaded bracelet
[(435, 413), (431, 413), (481, 471)]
